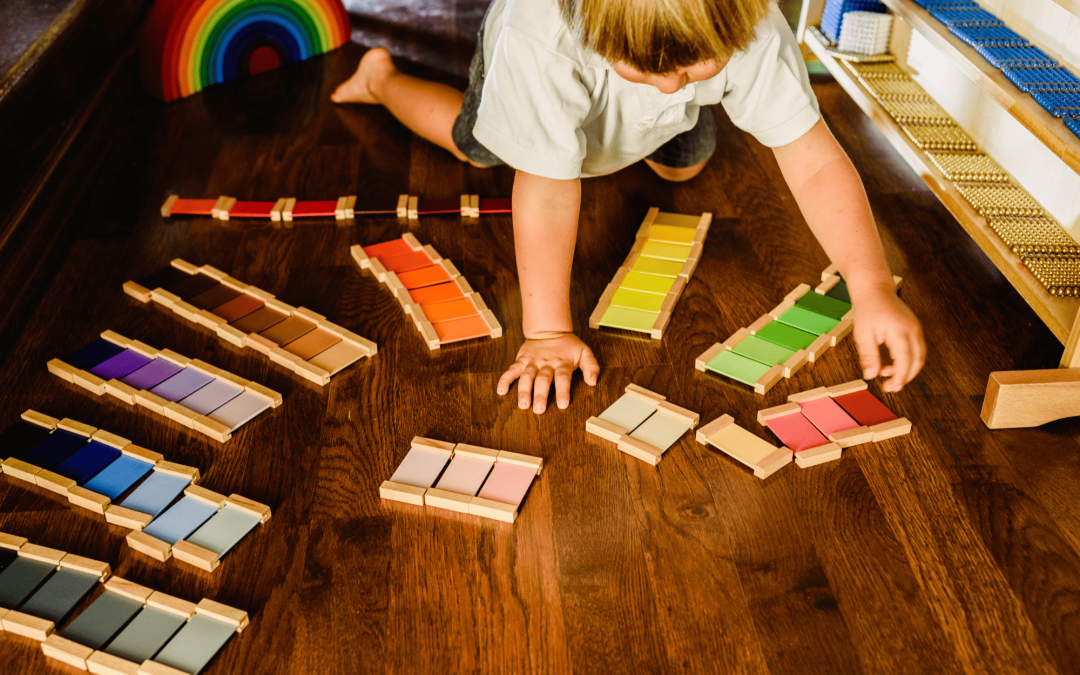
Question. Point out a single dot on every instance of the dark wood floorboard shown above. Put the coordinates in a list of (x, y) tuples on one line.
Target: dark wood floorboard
[(951, 550)]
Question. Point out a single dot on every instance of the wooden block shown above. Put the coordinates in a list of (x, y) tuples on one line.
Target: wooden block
[(121, 391), (826, 285), (403, 206), (847, 388), (474, 206), (493, 324), (482, 452), (66, 651), (28, 626), (427, 332), (444, 499), (778, 311), (128, 589), (661, 323), (312, 316), (215, 212), (149, 667), (399, 492), (773, 463), (672, 409), (136, 291), (283, 358), (143, 348), (259, 293), (640, 450), (166, 208), (134, 520), (465, 213), (90, 382), (251, 506), (283, 307), (150, 401), (643, 393), (173, 469), (209, 319), (186, 310), (714, 427), (231, 335), (688, 268), (413, 207), (103, 663), (184, 266), (142, 453), (449, 267), (830, 271), (711, 353), (76, 427), (171, 604), (797, 361), (350, 207), (275, 212), (212, 428), (778, 411), (841, 330), (339, 208), (809, 395), (759, 324), (310, 371), (224, 613), (234, 284), (40, 419), (800, 290), (164, 297), (259, 343), (151, 546), (109, 438), (274, 396), (198, 556), (604, 429), (818, 347), (11, 541), (602, 305), (673, 295), (287, 209), (87, 566), (178, 359), (202, 494), (179, 413), (432, 444), (62, 370), (54, 482), (852, 437), (91, 501), (891, 429), (531, 461), (819, 455), (42, 553), (770, 378), (16, 468), (736, 338), (488, 508), (432, 253), (377, 269)]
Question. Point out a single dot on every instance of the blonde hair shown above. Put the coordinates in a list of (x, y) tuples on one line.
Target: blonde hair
[(659, 36)]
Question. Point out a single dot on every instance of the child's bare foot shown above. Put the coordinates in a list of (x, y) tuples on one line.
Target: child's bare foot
[(373, 70)]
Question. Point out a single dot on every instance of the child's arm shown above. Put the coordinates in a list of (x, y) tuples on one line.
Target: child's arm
[(545, 231), (833, 201)]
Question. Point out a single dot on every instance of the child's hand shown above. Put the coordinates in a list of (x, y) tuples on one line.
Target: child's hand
[(540, 361), (880, 318)]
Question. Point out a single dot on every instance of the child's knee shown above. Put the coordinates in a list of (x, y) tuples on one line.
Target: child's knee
[(675, 175)]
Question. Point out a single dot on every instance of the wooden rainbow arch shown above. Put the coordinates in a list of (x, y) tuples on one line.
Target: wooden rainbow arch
[(189, 45)]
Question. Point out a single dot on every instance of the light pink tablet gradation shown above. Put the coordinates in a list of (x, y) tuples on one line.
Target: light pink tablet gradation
[(508, 483), (796, 432), (828, 416), (420, 467)]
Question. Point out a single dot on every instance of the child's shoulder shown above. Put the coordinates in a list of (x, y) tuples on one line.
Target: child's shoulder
[(538, 23)]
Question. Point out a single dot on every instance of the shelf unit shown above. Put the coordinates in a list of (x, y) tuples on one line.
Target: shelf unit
[(1059, 314), (1048, 129)]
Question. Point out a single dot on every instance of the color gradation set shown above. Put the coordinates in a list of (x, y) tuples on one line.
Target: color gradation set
[(800, 329), (464, 478), (442, 305), (644, 291), (189, 391), (126, 628), (287, 209), (642, 424), (303, 341), (819, 423), (132, 487), (1043, 246)]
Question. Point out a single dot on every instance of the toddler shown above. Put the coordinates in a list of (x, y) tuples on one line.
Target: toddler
[(567, 89)]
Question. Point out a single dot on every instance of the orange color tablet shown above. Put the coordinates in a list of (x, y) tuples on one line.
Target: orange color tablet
[(388, 249), (439, 293), (403, 263), (447, 311), (462, 329), (425, 276)]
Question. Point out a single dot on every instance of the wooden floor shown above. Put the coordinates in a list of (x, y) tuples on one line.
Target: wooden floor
[(951, 550)]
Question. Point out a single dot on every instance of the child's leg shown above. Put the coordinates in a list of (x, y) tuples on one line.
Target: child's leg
[(684, 156), (428, 109), (675, 175)]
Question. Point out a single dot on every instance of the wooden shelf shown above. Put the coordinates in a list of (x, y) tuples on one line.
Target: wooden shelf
[(1058, 314), (1044, 126)]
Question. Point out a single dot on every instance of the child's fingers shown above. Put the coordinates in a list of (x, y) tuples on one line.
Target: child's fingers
[(563, 375), (511, 374), (918, 348), (525, 385), (590, 367), (900, 350), (869, 357), (541, 387)]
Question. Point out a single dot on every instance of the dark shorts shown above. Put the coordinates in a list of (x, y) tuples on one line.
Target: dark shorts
[(689, 148)]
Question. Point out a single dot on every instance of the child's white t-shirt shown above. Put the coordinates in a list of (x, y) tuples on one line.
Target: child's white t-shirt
[(552, 108)]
